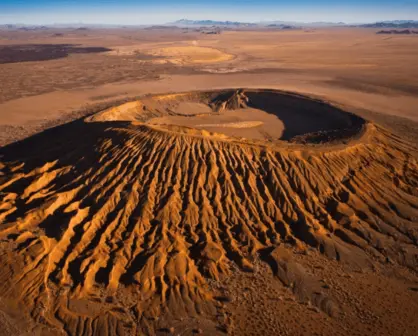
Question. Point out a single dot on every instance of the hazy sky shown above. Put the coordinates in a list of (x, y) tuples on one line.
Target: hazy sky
[(163, 11)]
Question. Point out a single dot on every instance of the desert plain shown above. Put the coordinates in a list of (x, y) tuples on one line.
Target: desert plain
[(167, 181)]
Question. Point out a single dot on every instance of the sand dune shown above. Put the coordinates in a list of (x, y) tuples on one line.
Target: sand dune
[(115, 226)]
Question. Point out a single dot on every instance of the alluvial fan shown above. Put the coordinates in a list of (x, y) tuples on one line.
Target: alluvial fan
[(107, 225)]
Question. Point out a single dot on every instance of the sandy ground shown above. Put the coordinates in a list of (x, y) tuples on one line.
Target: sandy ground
[(352, 67), (39, 111), (126, 222)]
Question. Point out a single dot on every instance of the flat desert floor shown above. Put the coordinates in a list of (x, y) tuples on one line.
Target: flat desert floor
[(166, 181)]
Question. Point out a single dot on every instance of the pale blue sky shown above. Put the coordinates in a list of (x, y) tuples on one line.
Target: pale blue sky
[(162, 11)]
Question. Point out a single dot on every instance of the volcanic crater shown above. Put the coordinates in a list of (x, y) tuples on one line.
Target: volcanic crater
[(243, 113), (119, 222)]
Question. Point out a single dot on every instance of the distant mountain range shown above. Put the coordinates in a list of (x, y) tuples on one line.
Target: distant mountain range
[(301, 24), (186, 22), (293, 24), (268, 24), (392, 24)]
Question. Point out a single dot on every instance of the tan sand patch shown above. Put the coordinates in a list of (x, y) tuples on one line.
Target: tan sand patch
[(240, 124), (192, 54)]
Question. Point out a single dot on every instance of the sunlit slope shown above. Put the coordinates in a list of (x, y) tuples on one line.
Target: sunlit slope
[(107, 225)]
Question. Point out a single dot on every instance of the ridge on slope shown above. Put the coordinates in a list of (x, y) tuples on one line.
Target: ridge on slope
[(105, 232)]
